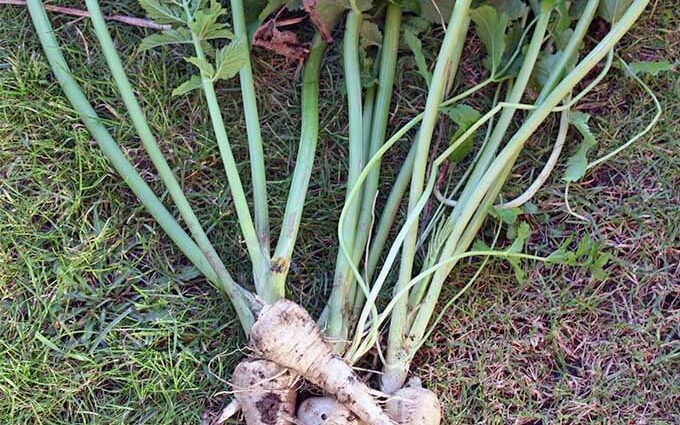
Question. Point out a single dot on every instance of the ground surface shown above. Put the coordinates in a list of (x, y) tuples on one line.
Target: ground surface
[(103, 322)]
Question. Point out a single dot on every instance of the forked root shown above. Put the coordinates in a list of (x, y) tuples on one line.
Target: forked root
[(285, 334), (265, 392)]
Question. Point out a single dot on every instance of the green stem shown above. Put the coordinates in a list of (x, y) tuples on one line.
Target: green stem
[(490, 184), (111, 150), (304, 163), (378, 130), (362, 225), (257, 167), (389, 213), (148, 140), (505, 119), (259, 259), (569, 52), (446, 65), (339, 307)]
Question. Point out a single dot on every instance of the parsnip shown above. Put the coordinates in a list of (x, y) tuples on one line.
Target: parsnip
[(265, 392), (414, 405), (325, 411), (285, 334)]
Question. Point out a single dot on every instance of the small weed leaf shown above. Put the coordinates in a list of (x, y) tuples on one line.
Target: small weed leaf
[(163, 12), (491, 28), (506, 215), (413, 43), (612, 10), (650, 68), (517, 247), (167, 37), (578, 162), (230, 59), (464, 117), (588, 255), (515, 9), (192, 83), (545, 63)]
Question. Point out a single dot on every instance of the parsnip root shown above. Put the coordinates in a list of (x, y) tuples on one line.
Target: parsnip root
[(285, 334), (414, 405), (265, 392), (325, 411)]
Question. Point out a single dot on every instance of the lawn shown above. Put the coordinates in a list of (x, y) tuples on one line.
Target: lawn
[(103, 321)]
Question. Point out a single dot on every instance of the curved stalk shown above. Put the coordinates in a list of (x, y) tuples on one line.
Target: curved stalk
[(257, 255), (446, 65), (257, 167), (304, 162), (339, 307), (150, 145), (378, 129), (529, 193), (125, 169), (491, 182)]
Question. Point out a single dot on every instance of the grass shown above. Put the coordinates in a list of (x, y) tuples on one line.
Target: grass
[(104, 322)]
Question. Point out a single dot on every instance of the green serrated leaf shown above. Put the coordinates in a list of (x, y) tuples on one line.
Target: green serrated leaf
[(517, 247), (560, 26), (506, 215), (464, 117), (612, 10), (416, 24), (515, 9), (491, 28), (192, 83), (370, 40), (413, 43), (436, 11), (408, 5), (369, 34), (650, 67), (167, 37), (578, 162), (205, 24), (204, 66), (230, 59), (545, 63), (163, 12)]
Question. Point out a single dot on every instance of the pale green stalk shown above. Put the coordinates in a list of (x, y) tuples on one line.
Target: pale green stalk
[(151, 146), (257, 255), (257, 167), (339, 306), (377, 132), (445, 66), (571, 49), (505, 119), (491, 182), (363, 225), (304, 163), (111, 150)]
